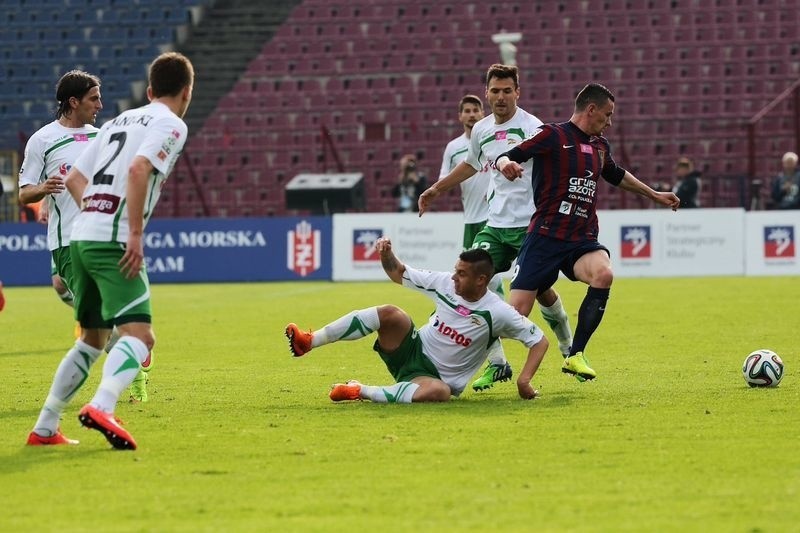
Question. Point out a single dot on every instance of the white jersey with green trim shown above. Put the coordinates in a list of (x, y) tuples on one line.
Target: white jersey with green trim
[(473, 190), (52, 151), (510, 202), (458, 333), (152, 131)]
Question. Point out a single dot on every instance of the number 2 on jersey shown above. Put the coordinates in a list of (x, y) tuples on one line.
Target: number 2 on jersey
[(100, 178)]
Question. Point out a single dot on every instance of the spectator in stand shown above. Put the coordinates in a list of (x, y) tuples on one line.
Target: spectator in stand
[(410, 184), (687, 183), (786, 185)]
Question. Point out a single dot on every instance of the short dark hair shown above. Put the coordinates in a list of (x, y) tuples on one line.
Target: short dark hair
[(75, 83), (169, 74), (469, 99), (480, 260), (501, 72), (593, 93)]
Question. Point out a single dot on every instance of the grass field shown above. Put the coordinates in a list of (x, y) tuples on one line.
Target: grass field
[(239, 436)]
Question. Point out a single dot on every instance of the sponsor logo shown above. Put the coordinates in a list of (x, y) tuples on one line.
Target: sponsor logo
[(779, 242), (176, 134), (567, 146), (635, 242), (161, 155), (63, 169), (80, 137), (587, 149), (565, 208), (101, 203), (463, 311), (582, 189), (304, 249), (364, 245), (500, 135), (447, 331)]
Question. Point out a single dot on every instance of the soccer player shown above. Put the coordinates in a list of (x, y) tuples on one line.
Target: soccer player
[(49, 155), (118, 181), (569, 159), (510, 203), (473, 192), (436, 361)]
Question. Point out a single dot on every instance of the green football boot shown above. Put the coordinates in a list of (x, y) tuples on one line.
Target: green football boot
[(138, 390), (578, 366), (493, 373)]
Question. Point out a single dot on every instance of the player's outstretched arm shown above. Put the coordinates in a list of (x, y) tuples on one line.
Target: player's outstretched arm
[(535, 356), (462, 172), (391, 265), (631, 183)]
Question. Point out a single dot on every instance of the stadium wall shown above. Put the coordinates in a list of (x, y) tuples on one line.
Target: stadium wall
[(642, 243)]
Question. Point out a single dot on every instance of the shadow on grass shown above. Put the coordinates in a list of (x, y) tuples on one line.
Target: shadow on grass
[(59, 351), (36, 456)]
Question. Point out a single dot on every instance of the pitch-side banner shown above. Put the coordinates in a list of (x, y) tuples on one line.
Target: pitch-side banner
[(771, 240), (195, 250), (662, 242), (432, 242)]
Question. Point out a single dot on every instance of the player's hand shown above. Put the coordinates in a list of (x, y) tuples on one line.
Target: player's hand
[(132, 259), (426, 198), (511, 170), (526, 390), (53, 185), (668, 199), (383, 244)]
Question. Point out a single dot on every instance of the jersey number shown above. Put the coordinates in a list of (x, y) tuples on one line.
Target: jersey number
[(105, 179)]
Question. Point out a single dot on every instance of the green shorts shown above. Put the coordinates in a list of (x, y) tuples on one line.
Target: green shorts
[(103, 296), (407, 361), (503, 245), (61, 264), (470, 232)]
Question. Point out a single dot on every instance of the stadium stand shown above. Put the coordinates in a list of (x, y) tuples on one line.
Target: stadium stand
[(285, 87)]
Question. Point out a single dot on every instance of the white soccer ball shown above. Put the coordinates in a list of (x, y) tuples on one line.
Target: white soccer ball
[(763, 368)]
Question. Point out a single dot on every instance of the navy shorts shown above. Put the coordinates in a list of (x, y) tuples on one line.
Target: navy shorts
[(541, 258)]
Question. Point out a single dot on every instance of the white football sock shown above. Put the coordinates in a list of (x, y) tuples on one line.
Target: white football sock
[(496, 354), (70, 375), (352, 326), (67, 297), (401, 392), (558, 320), (121, 367)]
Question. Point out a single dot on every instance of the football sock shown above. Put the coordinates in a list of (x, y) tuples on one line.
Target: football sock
[(496, 286), (496, 354), (352, 326), (70, 375), (589, 316), (558, 320), (67, 297), (121, 367), (401, 392)]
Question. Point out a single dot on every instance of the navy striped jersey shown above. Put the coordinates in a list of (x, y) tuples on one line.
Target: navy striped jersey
[(567, 163)]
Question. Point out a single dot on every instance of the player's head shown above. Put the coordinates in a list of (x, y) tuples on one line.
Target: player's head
[(78, 96), (683, 167), (172, 75), (789, 161), (594, 105), (474, 269), (470, 111), (502, 90)]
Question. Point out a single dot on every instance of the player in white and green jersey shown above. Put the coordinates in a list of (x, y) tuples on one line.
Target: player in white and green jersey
[(511, 203), (117, 181), (473, 192), (436, 361), (49, 155)]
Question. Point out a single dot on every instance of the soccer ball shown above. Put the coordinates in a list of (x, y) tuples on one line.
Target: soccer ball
[(763, 368)]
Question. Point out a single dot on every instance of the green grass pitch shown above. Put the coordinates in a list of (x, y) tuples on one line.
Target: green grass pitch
[(239, 436)]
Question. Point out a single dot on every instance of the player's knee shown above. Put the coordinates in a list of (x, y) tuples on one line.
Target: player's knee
[(432, 391), (390, 315), (603, 278)]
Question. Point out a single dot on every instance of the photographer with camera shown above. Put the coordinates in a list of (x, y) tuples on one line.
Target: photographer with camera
[(410, 185)]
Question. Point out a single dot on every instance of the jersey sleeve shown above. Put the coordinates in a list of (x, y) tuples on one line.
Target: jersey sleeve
[(539, 143), (32, 168), (445, 169), (425, 281), (474, 153), (611, 172), (513, 325), (164, 143)]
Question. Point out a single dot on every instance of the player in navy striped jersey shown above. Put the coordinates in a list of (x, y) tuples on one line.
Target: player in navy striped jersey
[(569, 159)]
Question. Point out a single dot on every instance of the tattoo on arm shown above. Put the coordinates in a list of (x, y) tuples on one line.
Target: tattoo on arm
[(390, 263)]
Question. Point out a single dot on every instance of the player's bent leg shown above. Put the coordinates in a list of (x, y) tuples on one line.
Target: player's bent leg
[(430, 390), (556, 317)]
